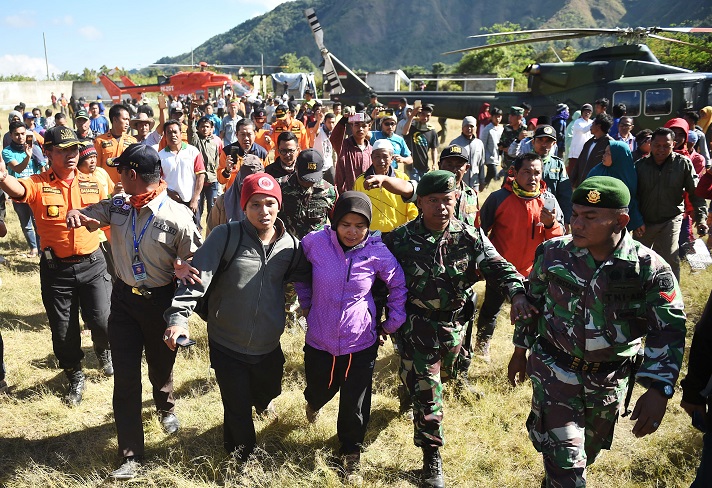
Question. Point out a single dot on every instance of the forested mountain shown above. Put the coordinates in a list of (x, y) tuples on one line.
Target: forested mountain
[(379, 34)]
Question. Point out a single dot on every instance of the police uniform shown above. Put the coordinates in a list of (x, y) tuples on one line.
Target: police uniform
[(593, 317), (107, 146), (73, 272), (146, 243), (439, 268)]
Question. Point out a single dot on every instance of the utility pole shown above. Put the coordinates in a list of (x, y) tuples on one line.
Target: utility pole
[(44, 40)]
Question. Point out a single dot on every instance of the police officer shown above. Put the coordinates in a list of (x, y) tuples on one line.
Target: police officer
[(72, 268), (150, 230), (598, 292), (442, 257)]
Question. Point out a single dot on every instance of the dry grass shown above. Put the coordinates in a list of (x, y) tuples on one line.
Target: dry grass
[(43, 443)]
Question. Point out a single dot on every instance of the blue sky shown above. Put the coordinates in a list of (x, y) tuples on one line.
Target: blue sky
[(91, 34)]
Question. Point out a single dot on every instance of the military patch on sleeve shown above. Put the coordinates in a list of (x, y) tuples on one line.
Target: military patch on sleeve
[(666, 285), (165, 227)]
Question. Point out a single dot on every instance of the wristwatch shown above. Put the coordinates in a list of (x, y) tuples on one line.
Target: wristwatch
[(665, 388)]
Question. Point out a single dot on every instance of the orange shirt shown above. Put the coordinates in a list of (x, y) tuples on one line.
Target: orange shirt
[(261, 138), (50, 198), (295, 127), (107, 146)]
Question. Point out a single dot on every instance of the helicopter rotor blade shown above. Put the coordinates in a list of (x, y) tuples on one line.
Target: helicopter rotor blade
[(685, 30), (332, 78), (677, 41), (523, 41), (589, 31)]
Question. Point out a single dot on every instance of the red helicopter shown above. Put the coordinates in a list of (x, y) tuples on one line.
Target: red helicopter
[(194, 83)]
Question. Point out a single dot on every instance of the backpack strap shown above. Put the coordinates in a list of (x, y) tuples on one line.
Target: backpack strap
[(229, 243)]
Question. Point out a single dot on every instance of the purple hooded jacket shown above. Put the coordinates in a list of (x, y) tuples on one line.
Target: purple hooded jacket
[(342, 312)]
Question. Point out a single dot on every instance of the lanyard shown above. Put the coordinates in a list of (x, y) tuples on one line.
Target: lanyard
[(136, 242)]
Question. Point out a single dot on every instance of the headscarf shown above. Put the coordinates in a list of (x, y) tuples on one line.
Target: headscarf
[(622, 167), (569, 134), (705, 118)]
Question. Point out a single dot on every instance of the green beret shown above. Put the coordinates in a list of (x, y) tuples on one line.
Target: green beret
[(439, 181), (602, 192), (516, 111)]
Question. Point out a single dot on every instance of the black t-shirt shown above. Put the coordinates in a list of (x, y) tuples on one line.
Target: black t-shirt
[(420, 143)]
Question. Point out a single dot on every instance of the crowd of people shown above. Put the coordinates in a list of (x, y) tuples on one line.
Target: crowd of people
[(351, 222)]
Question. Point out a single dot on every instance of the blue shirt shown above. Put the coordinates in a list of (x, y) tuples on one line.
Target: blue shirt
[(99, 125), (400, 148), (217, 123), (15, 153)]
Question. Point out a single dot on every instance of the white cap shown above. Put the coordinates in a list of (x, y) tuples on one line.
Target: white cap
[(383, 144), (469, 120)]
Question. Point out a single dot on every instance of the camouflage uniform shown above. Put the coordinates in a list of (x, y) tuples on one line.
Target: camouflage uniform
[(439, 269), (509, 135), (303, 210), (594, 313)]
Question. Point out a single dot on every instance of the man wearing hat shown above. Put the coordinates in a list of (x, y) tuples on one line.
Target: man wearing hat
[(244, 347), (29, 119), (150, 231), (422, 140), (553, 169), (474, 150), (598, 293), (401, 153), (111, 144), (72, 268), (83, 126), (201, 136), (581, 133), (284, 122), (143, 125), (512, 132), (441, 257), (262, 129)]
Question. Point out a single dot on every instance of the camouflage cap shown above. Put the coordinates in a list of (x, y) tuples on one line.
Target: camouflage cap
[(602, 192), (439, 181), (514, 110)]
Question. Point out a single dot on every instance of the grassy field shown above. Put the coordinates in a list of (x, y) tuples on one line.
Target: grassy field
[(44, 443)]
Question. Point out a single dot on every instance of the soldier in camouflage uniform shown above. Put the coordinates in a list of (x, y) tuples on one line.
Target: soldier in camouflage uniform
[(442, 258), (512, 132), (599, 292), (467, 210), (307, 202)]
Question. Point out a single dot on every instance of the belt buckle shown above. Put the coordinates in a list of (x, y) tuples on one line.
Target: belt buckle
[(136, 291)]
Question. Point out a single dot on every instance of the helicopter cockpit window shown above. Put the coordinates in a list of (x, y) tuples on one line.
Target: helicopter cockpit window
[(631, 99), (658, 102)]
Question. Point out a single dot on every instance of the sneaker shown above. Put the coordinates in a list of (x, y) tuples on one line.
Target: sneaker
[(105, 362), (76, 386), (169, 422), (129, 469), (351, 464), (3, 387), (432, 468), (312, 415), (482, 348), (269, 413)]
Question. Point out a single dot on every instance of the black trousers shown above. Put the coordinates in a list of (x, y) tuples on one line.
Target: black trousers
[(244, 385), (2, 358), (135, 324), (65, 289), (353, 375)]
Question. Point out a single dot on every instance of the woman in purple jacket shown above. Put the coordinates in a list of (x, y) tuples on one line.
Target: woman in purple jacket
[(342, 338)]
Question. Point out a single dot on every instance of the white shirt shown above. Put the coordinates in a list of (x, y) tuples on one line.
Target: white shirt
[(322, 145), (581, 134), (179, 169)]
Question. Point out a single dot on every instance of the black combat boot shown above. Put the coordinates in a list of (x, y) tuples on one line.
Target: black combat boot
[(105, 362), (76, 385), (432, 468)]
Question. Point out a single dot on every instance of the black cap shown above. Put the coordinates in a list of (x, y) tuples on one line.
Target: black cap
[(139, 157), (453, 151), (260, 112), (310, 166), (60, 137), (545, 131), (373, 95), (308, 91), (81, 114), (428, 106)]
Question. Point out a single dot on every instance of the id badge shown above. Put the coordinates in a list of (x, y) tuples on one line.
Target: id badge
[(139, 270)]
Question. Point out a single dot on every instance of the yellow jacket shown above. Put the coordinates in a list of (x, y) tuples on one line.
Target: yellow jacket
[(389, 209)]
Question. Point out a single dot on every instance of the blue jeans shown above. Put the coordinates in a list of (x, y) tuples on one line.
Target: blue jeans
[(208, 195), (27, 221)]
